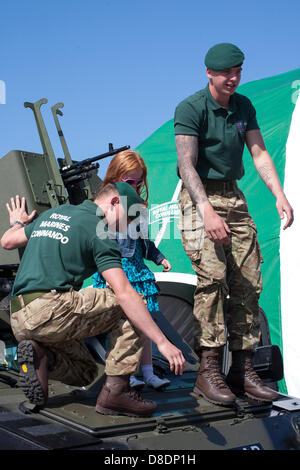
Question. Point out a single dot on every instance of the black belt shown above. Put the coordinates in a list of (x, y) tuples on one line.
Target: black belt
[(15, 303), (219, 185)]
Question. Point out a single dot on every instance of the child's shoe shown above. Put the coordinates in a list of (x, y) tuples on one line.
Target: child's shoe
[(157, 383), (135, 383)]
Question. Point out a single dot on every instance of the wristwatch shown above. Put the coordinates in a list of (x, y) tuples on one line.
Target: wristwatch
[(17, 222)]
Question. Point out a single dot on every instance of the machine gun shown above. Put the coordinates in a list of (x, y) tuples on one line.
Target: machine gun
[(44, 180), (79, 172), (76, 174)]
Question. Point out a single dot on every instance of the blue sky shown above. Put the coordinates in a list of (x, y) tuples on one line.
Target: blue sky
[(121, 66)]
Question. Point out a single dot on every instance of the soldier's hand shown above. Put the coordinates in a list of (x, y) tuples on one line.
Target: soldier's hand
[(283, 206), (216, 228), (173, 355), (17, 211)]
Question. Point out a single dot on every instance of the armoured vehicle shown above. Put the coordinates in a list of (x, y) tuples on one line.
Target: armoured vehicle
[(183, 422)]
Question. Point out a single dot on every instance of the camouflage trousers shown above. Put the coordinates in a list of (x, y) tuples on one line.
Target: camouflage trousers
[(231, 272), (59, 319)]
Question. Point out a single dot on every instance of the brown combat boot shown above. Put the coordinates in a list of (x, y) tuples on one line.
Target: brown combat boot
[(210, 383), (243, 378), (116, 398), (34, 360)]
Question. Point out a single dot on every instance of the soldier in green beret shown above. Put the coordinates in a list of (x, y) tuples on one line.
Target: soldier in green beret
[(218, 234)]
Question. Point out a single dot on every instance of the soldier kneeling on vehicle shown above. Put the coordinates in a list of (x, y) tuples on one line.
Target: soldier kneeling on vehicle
[(50, 314)]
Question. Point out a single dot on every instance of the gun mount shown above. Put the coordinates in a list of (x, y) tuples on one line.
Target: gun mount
[(44, 180)]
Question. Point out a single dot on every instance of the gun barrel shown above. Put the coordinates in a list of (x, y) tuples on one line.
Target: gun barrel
[(78, 171), (93, 159)]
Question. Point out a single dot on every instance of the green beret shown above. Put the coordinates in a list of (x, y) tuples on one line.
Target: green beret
[(223, 56), (129, 197)]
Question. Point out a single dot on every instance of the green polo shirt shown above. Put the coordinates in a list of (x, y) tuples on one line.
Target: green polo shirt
[(221, 132), (66, 244)]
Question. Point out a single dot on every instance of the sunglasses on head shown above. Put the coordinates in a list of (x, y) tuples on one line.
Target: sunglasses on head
[(137, 181)]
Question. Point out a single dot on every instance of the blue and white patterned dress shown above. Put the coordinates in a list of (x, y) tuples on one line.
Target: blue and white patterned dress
[(139, 276)]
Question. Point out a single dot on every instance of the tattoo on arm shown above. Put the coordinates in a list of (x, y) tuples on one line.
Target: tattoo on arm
[(265, 172), (187, 151)]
